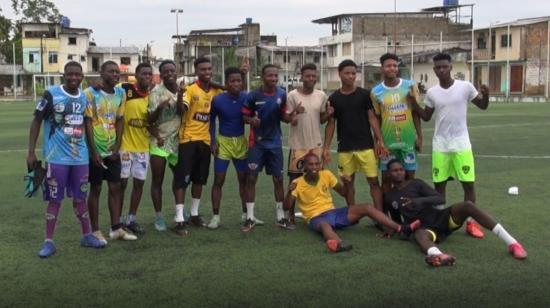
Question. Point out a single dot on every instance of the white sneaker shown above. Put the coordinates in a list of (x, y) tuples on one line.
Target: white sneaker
[(214, 222), (256, 220), (121, 234), (99, 236)]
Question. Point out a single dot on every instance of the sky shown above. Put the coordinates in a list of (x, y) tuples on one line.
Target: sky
[(141, 22)]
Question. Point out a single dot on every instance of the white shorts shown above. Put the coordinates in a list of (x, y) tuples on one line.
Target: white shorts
[(134, 163)]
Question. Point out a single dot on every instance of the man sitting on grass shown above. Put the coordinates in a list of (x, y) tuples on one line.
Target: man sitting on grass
[(312, 191), (418, 201)]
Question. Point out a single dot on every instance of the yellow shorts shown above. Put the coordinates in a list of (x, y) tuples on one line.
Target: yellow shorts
[(364, 160)]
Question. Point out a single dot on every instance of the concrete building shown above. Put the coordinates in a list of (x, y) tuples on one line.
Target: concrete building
[(126, 57), (364, 37), (512, 58)]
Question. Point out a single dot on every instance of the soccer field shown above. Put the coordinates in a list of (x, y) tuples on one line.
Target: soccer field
[(273, 267)]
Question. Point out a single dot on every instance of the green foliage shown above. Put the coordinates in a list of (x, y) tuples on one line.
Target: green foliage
[(36, 10)]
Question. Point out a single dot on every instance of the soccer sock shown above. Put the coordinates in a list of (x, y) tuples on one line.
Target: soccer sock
[(116, 226), (280, 211), (52, 213), (216, 211), (179, 212), (433, 251), (81, 210), (504, 235), (195, 206), (287, 214), (250, 210), (131, 218)]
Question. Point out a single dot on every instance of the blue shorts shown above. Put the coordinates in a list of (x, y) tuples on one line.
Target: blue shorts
[(337, 218), (407, 157), (221, 165), (272, 159)]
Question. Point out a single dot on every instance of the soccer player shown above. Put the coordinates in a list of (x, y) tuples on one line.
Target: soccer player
[(418, 201), (312, 191), (264, 110), (165, 110), (103, 122), (194, 149), (353, 116), (306, 107), (230, 144), (65, 152), (452, 155), (400, 126), (134, 151)]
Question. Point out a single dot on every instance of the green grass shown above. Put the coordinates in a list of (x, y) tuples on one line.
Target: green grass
[(271, 267)]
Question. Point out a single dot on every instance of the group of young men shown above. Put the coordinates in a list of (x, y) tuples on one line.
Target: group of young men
[(111, 132)]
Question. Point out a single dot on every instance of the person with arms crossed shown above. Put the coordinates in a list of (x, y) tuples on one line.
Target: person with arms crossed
[(452, 155), (306, 107), (134, 151), (353, 117), (165, 109), (65, 152), (104, 124), (312, 192), (418, 201)]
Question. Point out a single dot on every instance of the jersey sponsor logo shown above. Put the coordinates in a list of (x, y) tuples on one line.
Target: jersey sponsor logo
[(138, 123), (395, 205), (59, 108), (77, 132), (201, 117), (397, 107), (74, 119), (260, 103), (398, 118), (68, 131)]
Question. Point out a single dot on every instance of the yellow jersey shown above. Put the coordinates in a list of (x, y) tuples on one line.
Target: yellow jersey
[(314, 200), (196, 122), (135, 137)]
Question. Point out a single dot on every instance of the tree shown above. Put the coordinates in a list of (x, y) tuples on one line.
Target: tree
[(35, 10)]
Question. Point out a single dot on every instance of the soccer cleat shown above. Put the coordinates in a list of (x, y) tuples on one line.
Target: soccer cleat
[(121, 234), (440, 260), (47, 250), (214, 222), (89, 240), (248, 226), (286, 224), (98, 235), (181, 229), (256, 220), (474, 230), (160, 224), (135, 228), (517, 251), (196, 221), (338, 246)]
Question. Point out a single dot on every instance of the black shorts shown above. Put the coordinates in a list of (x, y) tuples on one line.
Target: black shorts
[(111, 174), (193, 164), (441, 225)]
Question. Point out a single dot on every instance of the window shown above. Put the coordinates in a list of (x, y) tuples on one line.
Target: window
[(31, 57), (52, 57), (346, 49), (316, 58), (125, 60), (72, 40), (82, 58), (70, 57), (506, 40), (332, 50), (481, 43)]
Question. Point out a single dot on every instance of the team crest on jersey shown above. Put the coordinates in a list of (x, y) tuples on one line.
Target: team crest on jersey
[(409, 158), (195, 98), (395, 205), (59, 108), (466, 169), (436, 171)]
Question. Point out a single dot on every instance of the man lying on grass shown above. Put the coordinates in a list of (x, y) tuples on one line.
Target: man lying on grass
[(312, 191), (418, 201)]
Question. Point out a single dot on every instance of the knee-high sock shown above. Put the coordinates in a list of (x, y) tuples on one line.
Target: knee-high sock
[(81, 211), (52, 213)]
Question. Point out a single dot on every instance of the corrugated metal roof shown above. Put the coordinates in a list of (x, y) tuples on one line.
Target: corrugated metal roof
[(117, 49)]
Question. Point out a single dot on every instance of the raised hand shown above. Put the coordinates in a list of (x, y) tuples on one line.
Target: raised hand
[(300, 109)]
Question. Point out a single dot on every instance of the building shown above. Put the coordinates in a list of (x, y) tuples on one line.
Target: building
[(512, 58), (364, 37), (47, 47), (219, 45), (126, 57)]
